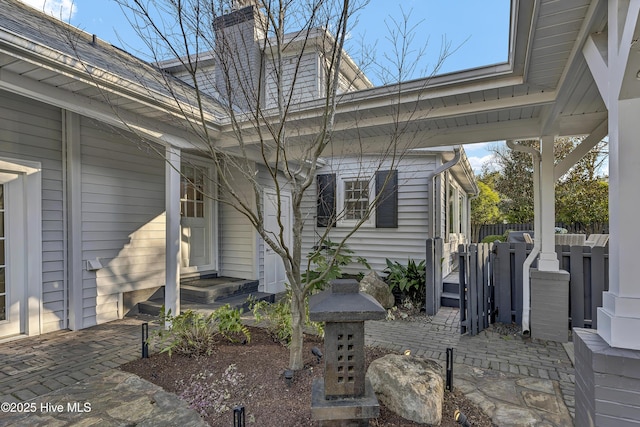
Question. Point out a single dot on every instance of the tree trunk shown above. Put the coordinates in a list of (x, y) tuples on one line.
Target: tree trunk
[(297, 325)]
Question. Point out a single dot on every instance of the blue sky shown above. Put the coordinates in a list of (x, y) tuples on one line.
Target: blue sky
[(477, 30)]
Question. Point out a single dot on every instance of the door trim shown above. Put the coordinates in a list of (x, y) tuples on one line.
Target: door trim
[(212, 209), (270, 191), (29, 265)]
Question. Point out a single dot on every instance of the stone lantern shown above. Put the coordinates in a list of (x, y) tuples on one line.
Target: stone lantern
[(344, 397)]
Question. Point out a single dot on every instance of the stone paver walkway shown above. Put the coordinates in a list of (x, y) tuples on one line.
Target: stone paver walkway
[(34, 366), (515, 381), (114, 398), (503, 374)]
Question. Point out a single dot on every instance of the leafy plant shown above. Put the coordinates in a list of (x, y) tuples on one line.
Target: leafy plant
[(278, 318), (194, 334), (229, 323), (410, 279), (322, 260)]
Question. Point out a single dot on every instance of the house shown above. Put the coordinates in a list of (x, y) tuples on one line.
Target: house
[(427, 195), (91, 216), (432, 200), (84, 196), (87, 188)]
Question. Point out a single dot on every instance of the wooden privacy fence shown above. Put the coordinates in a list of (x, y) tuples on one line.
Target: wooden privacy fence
[(477, 308), (491, 283), (589, 277), (480, 231)]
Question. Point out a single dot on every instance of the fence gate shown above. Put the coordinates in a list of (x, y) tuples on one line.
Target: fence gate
[(476, 288)]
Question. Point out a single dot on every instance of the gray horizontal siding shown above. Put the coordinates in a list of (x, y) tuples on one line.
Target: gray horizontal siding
[(237, 236), (306, 80), (123, 220), (377, 244)]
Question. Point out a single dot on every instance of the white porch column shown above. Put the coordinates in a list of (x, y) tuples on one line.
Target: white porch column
[(619, 318), (548, 260), (73, 164), (613, 60), (172, 207)]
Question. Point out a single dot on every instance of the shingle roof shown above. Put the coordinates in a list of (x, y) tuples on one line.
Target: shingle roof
[(97, 57)]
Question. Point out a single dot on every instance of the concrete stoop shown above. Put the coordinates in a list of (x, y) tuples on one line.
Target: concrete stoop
[(208, 294)]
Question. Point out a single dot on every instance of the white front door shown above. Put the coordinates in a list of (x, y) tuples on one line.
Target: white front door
[(12, 289), (196, 209), (274, 273)]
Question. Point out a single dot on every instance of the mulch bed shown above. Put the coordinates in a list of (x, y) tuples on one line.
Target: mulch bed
[(251, 375)]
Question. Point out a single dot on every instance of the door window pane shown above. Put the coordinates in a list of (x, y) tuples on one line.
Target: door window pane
[(192, 192)]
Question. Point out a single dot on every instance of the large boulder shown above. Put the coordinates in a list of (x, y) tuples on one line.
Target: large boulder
[(373, 285), (409, 386)]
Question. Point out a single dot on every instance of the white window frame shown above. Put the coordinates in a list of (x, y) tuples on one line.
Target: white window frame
[(340, 202)]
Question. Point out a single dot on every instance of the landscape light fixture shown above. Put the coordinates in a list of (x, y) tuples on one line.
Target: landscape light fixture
[(449, 384), (317, 353), (461, 418), (288, 377), (238, 416), (145, 340)]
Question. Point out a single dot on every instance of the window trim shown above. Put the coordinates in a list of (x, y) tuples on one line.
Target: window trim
[(340, 202)]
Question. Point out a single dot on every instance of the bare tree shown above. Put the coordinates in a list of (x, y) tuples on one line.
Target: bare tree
[(247, 60)]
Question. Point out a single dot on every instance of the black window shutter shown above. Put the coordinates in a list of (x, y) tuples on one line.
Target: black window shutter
[(387, 207), (326, 208)]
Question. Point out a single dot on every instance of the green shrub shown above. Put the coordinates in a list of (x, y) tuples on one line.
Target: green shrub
[(194, 334), (230, 324), (410, 280), (493, 237), (278, 318), (321, 261)]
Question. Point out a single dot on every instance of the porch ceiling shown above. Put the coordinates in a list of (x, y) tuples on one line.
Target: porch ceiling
[(546, 88)]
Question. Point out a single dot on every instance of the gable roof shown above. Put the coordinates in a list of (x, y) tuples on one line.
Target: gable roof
[(545, 88), (43, 57)]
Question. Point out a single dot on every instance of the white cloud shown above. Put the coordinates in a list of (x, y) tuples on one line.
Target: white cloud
[(477, 162), (61, 9)]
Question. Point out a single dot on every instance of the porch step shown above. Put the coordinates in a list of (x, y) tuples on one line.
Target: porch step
[(450, 291), (241, 301), (207, 294), (449, 299), (448, 287), (206, 291)]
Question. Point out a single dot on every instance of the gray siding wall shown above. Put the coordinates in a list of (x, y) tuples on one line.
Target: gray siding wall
[(205, 79), (307, 79), (33, 131), (123, 219), (237, 236), (377, 244)]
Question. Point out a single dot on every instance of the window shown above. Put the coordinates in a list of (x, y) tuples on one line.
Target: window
[(356, 199), (192, 192), (350, 197)]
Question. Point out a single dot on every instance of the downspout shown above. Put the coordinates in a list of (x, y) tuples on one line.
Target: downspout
[(431, 188), (536, 230)]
